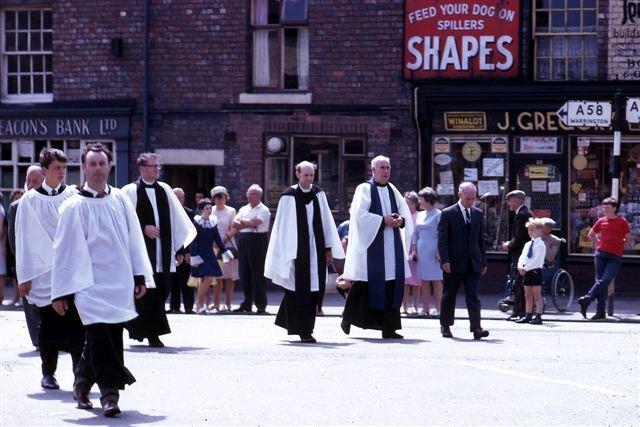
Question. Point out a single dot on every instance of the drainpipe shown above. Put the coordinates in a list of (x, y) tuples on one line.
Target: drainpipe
[(145, 79)]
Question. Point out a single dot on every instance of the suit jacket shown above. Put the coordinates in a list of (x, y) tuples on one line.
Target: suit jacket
[(460, 245), (11, 225), (518, 232)]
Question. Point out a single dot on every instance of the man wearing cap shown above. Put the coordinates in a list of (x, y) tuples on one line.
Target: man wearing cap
[(551, 241), (519, 236)]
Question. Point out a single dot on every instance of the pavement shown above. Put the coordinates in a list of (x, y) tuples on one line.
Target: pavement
[(243, 370)]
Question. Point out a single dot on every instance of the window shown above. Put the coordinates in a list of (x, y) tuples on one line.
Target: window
[(280, 45), (26, 55), (17, 156), (566, 40), (340, 161)]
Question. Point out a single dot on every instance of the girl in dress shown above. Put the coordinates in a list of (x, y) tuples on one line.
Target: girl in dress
[(202, 247), (224, 215), (412, 285), (424, 246)]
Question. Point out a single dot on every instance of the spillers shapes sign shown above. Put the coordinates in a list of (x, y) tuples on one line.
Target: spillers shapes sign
[(624, 40), (450, 39)]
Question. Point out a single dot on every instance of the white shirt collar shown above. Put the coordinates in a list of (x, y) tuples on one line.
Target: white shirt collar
[(49, 189), (146, 182), (93, 192), (462, 208), (519, 207)]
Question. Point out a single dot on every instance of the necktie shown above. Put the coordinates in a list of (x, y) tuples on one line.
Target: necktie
[(530, 253), (467, 216)]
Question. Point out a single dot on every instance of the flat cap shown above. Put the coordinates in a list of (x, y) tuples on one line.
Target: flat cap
[(518, 194)]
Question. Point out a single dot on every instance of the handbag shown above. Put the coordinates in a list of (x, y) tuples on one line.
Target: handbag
[(193, 282), (196, 260), (332, 280)]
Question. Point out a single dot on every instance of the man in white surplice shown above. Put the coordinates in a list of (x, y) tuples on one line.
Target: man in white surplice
[(376, 260), (99, 260), (167, 229), (35, 226), (303, 241)]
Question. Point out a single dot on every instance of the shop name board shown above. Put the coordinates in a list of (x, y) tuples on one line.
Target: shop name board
[(56, 127), (534, 121), (465, 120), (459, 39)]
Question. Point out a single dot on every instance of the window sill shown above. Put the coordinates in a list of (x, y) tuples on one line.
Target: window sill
[(275, 98), (27, 99)]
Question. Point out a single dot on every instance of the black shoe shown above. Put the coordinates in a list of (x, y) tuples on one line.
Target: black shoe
[(537, 320), (584, 304), (49, 382), (82, 398), (446, 331), (391, 335), (346, 327), (513, 318), (242, 309), (189, 312), (308, 339), (599, 315), (174, 311), (155, 342), (262, 312), (480, 333), (110, 408), (525, 319)]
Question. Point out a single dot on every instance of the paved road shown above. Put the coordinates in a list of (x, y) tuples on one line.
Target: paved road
[(243, 370)]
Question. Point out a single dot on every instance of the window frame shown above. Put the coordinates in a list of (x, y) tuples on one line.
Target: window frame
[(280, 28), (288, 154), (4, 77), (565, 34)]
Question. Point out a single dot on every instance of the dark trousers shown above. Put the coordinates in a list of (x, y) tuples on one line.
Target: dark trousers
[(179, 287), (252, 250), (452, 282), (518, 290), (102, 361), (32, 315), (59, 333), (607, 266)]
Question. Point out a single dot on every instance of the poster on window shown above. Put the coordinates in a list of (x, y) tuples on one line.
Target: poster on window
[(461, 39), (624, 40)]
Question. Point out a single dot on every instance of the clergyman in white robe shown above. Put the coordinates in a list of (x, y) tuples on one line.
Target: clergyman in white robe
[(98, 258), (300, 215)]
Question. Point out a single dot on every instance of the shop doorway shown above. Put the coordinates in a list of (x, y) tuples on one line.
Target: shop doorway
[(544, 181), (191, 179)]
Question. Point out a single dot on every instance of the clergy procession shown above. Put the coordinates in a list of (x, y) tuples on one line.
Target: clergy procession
[(93, 260)]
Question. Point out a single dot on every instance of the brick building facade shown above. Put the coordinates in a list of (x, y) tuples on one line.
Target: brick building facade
[(218, 119)]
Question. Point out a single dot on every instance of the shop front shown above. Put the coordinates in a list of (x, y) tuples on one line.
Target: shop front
[(507, 136), (26, 130)]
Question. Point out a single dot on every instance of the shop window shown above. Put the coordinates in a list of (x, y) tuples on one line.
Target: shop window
[(17, 156), (566, 40), (26, 55), (341, 166), (280, 45), (591, 182), (482, 160)]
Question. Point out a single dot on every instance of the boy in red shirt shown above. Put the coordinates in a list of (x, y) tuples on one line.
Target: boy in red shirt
[(609, 234)]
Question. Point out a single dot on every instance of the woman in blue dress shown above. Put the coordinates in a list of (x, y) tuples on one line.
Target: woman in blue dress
[(424, 247), (202, 250)]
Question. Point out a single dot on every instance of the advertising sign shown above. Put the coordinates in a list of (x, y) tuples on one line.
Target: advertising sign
[(452, 39), (624, 40)]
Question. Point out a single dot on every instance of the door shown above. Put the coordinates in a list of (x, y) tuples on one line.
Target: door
[(191, 179)]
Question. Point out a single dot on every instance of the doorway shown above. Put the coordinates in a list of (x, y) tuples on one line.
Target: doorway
[(192, 179)]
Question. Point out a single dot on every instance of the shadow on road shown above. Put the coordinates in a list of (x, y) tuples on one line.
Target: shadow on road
[(484, 340), (318, 344), (392, 341), (60, 395), (127, 418), (167, 349), (32, 353)]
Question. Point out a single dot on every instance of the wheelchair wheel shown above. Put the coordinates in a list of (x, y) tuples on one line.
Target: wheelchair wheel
[(562, 290)]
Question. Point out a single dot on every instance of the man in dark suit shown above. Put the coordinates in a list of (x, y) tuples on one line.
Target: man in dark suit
[(519, 236), (463, 258), (180, 278)]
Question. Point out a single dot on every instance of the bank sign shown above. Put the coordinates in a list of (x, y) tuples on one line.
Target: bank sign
[(450, 39)]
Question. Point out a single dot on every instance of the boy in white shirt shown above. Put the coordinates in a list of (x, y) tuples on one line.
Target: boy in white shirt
[(530, 266)]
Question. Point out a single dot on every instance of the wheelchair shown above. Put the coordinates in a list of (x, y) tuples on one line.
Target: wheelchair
[(556, 283)]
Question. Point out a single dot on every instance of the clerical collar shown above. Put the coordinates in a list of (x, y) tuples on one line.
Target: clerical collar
[(49, 190), (304, 190), (147, 184), (93, 192), (379, 184)]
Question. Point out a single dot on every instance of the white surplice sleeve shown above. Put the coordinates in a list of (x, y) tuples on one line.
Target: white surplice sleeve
[(283, 244), (70, 243), (140, 264), (182, 229), (331, 238), (33, 244), (403, 210)]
